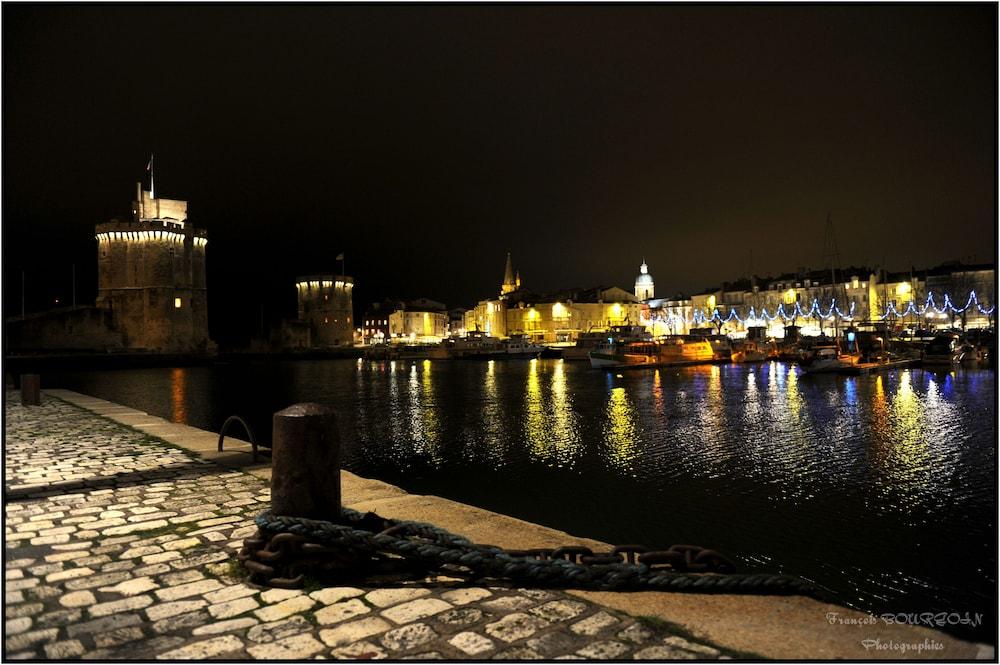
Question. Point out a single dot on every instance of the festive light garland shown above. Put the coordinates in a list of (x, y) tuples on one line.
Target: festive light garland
[(815, 311)]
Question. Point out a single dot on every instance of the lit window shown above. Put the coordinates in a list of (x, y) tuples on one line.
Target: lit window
[(177, 303)]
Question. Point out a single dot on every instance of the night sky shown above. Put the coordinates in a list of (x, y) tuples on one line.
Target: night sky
[(426, 142)]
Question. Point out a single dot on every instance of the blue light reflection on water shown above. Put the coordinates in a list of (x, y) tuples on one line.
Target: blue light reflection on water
[(870, 485)]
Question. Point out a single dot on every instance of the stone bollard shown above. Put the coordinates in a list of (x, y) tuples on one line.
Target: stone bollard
[(31, 385), (305, 462)]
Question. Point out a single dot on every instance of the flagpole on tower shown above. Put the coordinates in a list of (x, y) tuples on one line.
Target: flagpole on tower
[(149, 167)]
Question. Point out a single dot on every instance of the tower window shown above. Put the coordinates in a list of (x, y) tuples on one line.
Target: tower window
[(177, 303)]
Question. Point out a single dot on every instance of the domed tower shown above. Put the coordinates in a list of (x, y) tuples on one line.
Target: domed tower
[(151, 276), (644, 283), (326, 304)]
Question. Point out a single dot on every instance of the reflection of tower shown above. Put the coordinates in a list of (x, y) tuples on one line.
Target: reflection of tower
[(325, 303), (511, 282), (644, 283), (151, 276)]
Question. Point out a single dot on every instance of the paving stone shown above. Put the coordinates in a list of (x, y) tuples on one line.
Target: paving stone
[(211, 648), (341, 612), (165, 610), (183, 544), (196, 588), (508, 603), (24, 610), (64, 650), (44, 592), (181, 622), (278, 595), (354, 631), (636, 633), (119, 606), (11, 597), (136, 552), (16, 585), (472, 644), (559, 610), (199, 560), (681, 643), (515, 627), (464, 596), (415, 609), (294, 647), (604, 650), (232, 608), (231, 592), (423, 655), (332, 595), (58, 618), (593, 625), (408, 637), (93, 581), (24, 640), (132, 528), (15, 626), (663, 653), (387, 597), (132, 587), (462, 616), (518, 653), (181, 577), (276, 630), (359, 651), (553, 643), (161, 557), (113, 638), (285, 608), (103, 624), (225, 626)]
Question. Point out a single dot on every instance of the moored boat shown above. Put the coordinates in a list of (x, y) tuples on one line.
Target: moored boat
[(663, 352), (827, 357), (748, 352), (944, 350), (590, 340)]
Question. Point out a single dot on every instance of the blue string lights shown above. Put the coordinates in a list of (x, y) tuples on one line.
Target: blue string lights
[(832, 312)]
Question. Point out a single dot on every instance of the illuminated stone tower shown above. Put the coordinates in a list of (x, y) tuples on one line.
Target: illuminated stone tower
[(325, 303), (151, 277), (644, 283)]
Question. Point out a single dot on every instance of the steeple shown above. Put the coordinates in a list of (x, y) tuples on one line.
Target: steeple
[(510, 283)]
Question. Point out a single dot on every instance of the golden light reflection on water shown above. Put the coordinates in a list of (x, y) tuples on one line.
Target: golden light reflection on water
[(423, 426), (493, 437), (900, 448), (178, 390), (619, 430), (549, 424)]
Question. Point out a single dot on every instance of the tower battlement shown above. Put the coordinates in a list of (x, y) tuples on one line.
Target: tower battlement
[(151, 276), (326, 305)]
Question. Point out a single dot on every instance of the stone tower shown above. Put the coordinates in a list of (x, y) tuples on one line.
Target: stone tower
[(326, 305), (151, 277), (644, 283)]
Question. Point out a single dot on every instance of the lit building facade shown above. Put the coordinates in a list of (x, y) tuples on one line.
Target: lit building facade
[(151, 277), (420, 321), (326, 306)]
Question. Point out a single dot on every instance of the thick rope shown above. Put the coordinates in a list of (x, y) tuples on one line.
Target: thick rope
[(438, 547)]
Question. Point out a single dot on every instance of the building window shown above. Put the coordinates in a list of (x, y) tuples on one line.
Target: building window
[(177, 303)]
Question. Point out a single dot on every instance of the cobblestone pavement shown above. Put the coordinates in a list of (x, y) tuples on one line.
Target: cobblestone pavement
[(119, 546)]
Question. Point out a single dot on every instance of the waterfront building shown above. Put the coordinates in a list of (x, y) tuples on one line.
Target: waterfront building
[(420, 321), (562, 316), (456, 321), (668, 316), (151, 277), (326, 306), (644, 284), (957, 280), (375, 322)]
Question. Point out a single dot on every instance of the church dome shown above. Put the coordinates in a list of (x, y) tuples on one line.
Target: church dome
[(644, 276)]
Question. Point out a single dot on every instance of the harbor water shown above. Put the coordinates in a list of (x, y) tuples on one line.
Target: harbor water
[(879, 488)]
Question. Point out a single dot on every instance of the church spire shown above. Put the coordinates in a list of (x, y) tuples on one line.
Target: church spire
[(509, 282)]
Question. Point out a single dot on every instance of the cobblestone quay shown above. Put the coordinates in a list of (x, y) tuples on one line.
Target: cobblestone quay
[(119, 546)]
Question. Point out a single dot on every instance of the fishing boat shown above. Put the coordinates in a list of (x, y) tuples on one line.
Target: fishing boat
[(828, 357), (663, 352), (477, 345), (519, 347), (943, 350), (590, 340), (748, 352)]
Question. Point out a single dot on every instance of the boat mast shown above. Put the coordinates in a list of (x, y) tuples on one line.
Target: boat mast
[(831, 256)]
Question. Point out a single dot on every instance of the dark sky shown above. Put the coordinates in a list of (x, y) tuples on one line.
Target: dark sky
[(427, 141)]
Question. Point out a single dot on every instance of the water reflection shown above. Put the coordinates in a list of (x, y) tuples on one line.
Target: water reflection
[(178, 390), (620, 430)]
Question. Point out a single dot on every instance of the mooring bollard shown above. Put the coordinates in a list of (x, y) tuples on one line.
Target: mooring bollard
[(31, 385), (305, 462)]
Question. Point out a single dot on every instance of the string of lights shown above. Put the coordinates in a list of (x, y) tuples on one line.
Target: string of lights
[(833, 311)]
